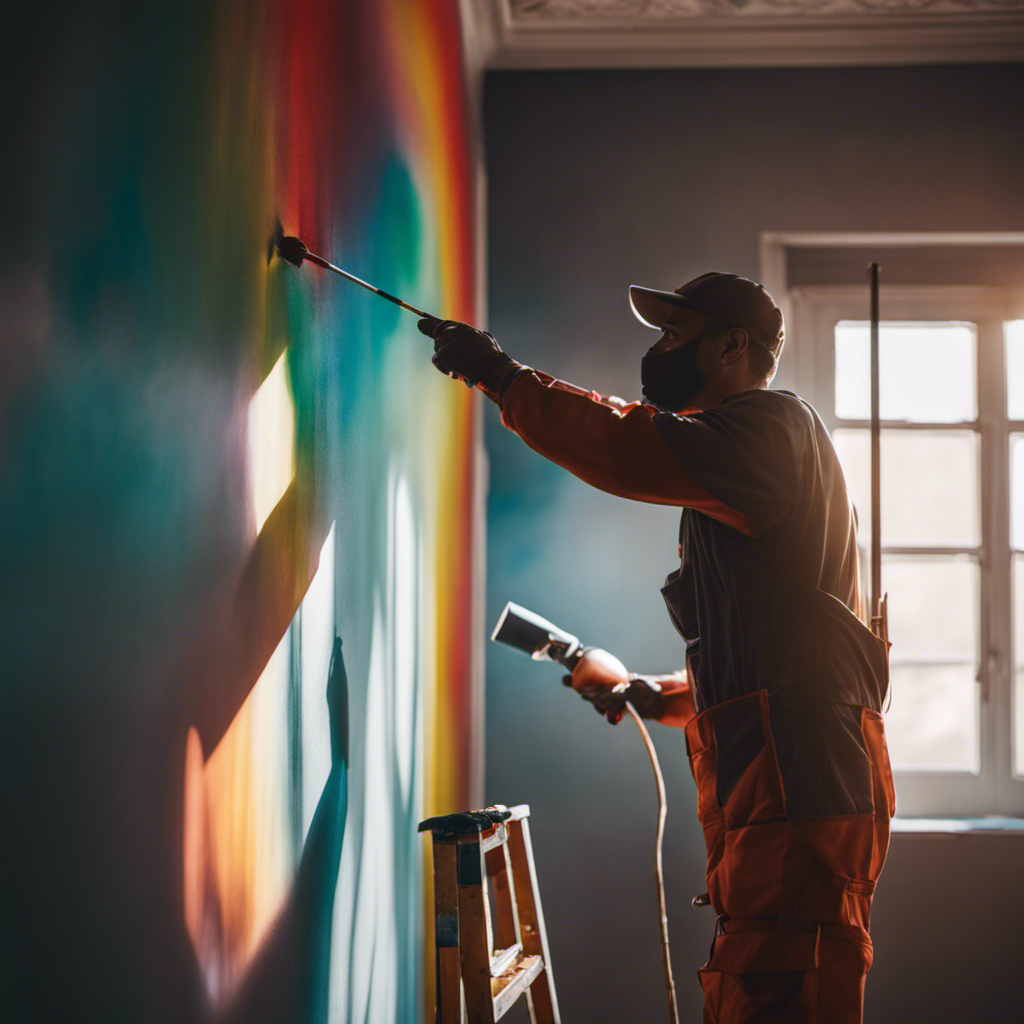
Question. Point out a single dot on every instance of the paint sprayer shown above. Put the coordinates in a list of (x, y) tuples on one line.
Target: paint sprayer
[(528, 632)]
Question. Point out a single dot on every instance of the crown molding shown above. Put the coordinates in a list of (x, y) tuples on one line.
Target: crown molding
[(746, 33)]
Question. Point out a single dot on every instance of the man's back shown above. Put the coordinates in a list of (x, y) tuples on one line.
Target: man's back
[(772, 606)]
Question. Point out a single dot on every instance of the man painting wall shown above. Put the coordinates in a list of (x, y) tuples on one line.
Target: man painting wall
[(782, 695)]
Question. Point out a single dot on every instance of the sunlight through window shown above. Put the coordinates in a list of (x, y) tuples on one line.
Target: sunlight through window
[(931, 525), (1015, 369), (927, 371)]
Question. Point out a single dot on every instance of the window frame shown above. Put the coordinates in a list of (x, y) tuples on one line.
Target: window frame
[(814, 312)]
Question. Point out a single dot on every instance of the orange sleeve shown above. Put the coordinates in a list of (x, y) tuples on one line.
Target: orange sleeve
[(616, 448)]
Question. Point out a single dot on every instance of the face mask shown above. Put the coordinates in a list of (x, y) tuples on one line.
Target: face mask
[(672, 379)]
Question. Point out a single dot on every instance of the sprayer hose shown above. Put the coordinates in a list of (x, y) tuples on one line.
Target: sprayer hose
[(659, 874)]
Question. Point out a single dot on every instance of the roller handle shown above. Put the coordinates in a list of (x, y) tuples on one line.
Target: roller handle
[(294, 251)]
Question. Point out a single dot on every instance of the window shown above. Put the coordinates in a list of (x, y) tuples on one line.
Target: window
[(951, 378), (1015, 412)]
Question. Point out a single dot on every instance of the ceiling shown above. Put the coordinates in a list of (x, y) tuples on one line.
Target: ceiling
[(737, 33)]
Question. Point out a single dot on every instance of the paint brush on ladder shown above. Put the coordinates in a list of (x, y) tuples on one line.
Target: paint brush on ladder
[(294, 251)]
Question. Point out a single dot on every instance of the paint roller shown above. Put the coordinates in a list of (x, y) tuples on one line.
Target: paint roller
[(293, 250), (532, 634)]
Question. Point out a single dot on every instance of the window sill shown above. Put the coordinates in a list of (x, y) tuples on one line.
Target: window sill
[(989, 825)]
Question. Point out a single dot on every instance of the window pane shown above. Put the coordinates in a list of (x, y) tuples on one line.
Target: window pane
[(933, 608), (1017, 491), (1018, 659), (932, 724), (1018, 732), (929, 486), (926, 371), (1015, 369)]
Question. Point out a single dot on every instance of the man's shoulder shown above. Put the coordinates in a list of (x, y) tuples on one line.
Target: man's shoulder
[(761, 411), (786, 407), (767, 398)]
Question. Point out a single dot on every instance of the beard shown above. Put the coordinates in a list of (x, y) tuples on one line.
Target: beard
[(671, 380)]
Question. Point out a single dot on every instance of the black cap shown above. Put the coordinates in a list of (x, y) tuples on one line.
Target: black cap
[(730, 297)]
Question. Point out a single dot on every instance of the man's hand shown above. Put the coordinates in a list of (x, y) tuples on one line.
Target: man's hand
[(469, 355), (602, 679)]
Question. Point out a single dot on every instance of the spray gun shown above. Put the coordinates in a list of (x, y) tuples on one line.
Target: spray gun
[(528, 632)]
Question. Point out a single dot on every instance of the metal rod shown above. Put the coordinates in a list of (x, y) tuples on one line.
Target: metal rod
[(876, 452), (321, 262), (294, 251)]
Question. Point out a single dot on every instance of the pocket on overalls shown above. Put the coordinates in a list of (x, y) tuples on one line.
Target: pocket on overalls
[(700, 747), (732, 757), (770, 977)]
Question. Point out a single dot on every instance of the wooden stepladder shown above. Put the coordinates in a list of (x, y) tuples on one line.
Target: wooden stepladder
[(491, 963)]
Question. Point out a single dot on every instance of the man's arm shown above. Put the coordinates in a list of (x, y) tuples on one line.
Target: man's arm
[(615, 448), (610, 445)]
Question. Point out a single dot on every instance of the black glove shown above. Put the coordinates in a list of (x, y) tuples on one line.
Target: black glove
[(469, 355), (643, 693)]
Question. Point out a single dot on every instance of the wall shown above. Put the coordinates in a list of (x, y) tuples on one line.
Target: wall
[(598, 180), (213, 464)]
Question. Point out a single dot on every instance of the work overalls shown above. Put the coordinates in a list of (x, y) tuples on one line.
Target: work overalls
[(792, 896)]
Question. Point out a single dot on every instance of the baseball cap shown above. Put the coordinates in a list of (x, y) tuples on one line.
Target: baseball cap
[(730, 297)]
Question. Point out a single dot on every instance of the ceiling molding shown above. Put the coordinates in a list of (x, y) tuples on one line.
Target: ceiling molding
[(654, 11), (746, 33)]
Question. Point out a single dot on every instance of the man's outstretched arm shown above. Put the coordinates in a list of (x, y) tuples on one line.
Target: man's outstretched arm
[(606, 443), (616, 449)]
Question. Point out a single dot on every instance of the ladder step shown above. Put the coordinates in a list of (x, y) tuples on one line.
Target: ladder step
[(503, 959), (511, 985)]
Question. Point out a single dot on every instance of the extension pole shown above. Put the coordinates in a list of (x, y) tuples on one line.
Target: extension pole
[(876, 458), (659, 873), (294, 251)]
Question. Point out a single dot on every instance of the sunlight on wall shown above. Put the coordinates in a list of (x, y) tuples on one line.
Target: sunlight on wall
[(248, 849), (403, 574), (243, 824), (271, 441), (237, 873)]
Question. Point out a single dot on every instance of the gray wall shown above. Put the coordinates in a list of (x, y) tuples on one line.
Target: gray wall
[(602, 179)]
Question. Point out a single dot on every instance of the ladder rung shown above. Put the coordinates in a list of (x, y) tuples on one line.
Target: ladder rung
[(510, 986), (503, 959)]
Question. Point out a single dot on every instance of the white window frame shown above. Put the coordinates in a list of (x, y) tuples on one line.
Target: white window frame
[(813, 314)]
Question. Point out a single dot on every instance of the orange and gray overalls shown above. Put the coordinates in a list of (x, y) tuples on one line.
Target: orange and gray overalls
[(782, 704)]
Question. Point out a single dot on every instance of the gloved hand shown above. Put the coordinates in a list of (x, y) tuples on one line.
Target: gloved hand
[(469, 355), (599, 677)]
